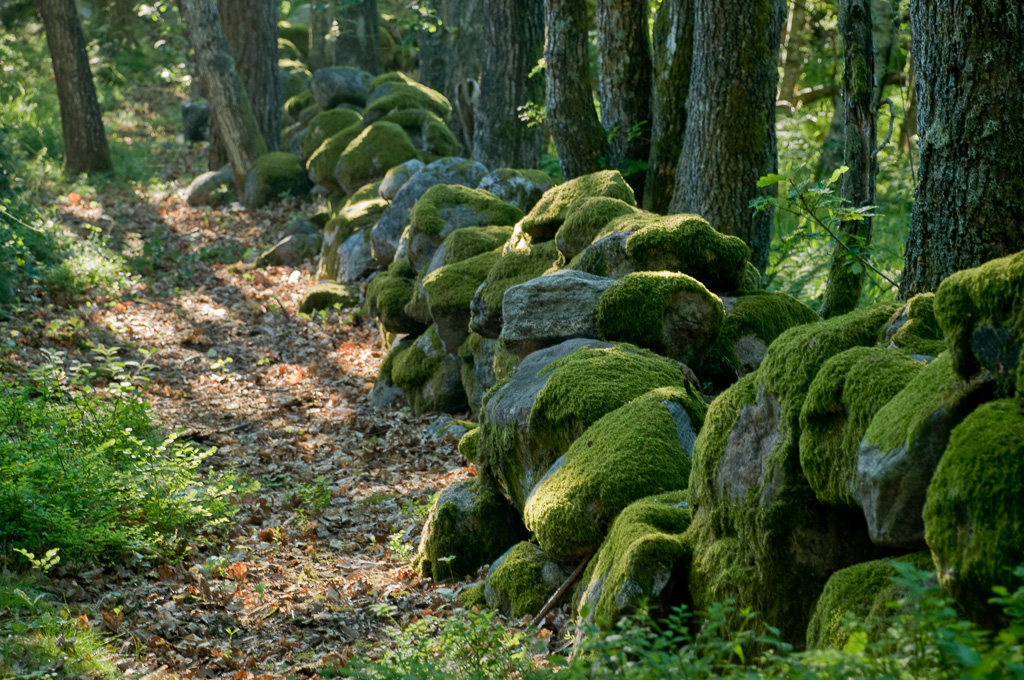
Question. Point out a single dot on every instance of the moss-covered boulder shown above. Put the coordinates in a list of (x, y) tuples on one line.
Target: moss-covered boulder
[(550, 309), (327, 124), (393, 92), (328, 295), (321, 163), (294, 105), (469, 525), (554, 396), (385, 394), (645, 560), (336, 85), (477, 357), (543, 221), (902, 446), (273, 176), (586, 219), (387, 295), (429, 376), (514, 267), (521, 581), (914, 328), (981, 314), (293, 77), (469, 445), (521, 188), (974, 512), (368, 157), (444, 209), (760, 535), (296, 33), (427, 131), (844, 396), (857, 598), (752, 322), (675, 243), (396, 177), (211, 188), (637, 450), (299, 242), (463, 244), (338, 262), (450, 289), (670, 313)]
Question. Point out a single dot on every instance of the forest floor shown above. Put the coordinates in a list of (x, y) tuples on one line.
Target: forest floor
[(314, 567)]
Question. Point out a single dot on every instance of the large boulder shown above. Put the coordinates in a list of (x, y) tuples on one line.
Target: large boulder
[(587, 219), (430, 377), (637, 450), (211, 188), (397, 176), (354, 258), (670, 313), (469, 525), (521, 188), (327, 124), (914, 328), (450, 290), (337, 258), (554, 396), (368, 157), (321, 163), (520, 582), (477, 356), (387, 295), (327, 295), (398, 92), (388, 231), (514, 267), (336, 85), (550, 309), (293, 77), (427, 131), (294, 105), (299, 242), (272, 176), (543, 221), (902, 446)]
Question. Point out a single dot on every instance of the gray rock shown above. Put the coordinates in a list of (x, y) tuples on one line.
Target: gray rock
[(754, 436), (195, 118), (520, 188), (388, 230), (294, 139), (397, 178), (444, 426), (477, 355), (551, 309), (336, 85), (300, 242), (211, 188), (537, 576), (606, 257), (355, 261)]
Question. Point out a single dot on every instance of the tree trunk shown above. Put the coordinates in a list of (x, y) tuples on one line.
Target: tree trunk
[(85, 141), (321, 19), (250, 27), (792, 56), (230, 108), (578, 135), (969, 201), (514, 43), (625, 77), (359, 36), (730, 126), (909, 127), (673, 56), (846, 273)]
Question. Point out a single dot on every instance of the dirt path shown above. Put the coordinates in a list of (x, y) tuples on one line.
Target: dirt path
[(315, 563)]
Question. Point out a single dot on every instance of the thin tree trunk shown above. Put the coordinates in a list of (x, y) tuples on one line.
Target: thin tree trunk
[(236, 124), (463, 46), (846, 273), (673, 56), (85, 141), (969, 201), (514, 42), (909, 127), (321, 19), (625, 78), (792, 56), (578, 135), (359, 36), (730, 126)]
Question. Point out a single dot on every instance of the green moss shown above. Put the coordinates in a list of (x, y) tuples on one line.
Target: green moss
[(463, 244), (324, 125), (404, 93), (628, 454), (430, 214), (974, 509), (515, 267), (473, 596), (327, 294), (451, 288), (416, 366), (859, 595), (387, 366), (296, 79), (286, 49), (585, 219), (751, 280), (368, 157), (321, 163), (634, 309), (914, 328), (505, 362), (296, 104), (469, 445), (295, 33), (388, 294), (906, 415), (543, 222), (645, 540), (519, 582), (274, 175), (417, 307), (437, 138), (845, 395), (367, 192)]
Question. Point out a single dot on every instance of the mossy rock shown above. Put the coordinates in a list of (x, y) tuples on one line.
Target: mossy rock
[(974, 510), (914, 328), (388, 294), (450, 290), (585, 220), (353, 217), (514, 267), (427, 132), (554, 396), (543, 221), (369, 156), (385, 393), (327, 295), (294, 105), (396, 178), (981, 314), (275, 175), (293, 77), (645, 560), (430, 377), (327, 124), (368, 192), (521, 581), (398, 92), (286, 49), (859, 596), (670, 313), (469, 445), (463, 244), (521, 188), (477, 356), (295, 33), (752, 322), (637, 450), (844, 396), (469, 525), (751, 280), (321, 163)]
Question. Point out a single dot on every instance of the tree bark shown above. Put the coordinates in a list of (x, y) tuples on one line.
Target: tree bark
[(846, 272), (321, 19), (730, 126), (792, 56), (230, 107), (969, 201), (673, 56), (625, 78), (514, 42), (359, 36), (578, 135), (463, 38), (85, 141)]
